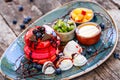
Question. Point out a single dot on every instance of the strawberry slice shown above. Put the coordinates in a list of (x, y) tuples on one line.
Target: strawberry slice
[(83, 12), (42, 61), (41, 53)]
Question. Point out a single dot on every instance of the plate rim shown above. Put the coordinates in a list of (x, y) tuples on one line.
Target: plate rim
[(88, 69)]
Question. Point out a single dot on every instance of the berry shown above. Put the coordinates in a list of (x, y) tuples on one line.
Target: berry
[(38, 35), (14, 21), (37, 66), (8, 0), (116, 56), (29, 18), (89, 51), (22, 26), (39, 28), (58, 71), (42, 29), (35, 31), (102, 25), (20, 8), (25, 21), (31, 0), (83, 12)]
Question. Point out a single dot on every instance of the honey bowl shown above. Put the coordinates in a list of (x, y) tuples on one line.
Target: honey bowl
[(81, 15), (88, 33)]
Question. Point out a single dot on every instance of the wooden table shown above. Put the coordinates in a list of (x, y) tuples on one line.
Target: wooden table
[(110, 70)]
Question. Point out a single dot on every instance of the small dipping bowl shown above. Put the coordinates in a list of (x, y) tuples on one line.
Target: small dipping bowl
[(81, 15), (88, 33), (67, 36)]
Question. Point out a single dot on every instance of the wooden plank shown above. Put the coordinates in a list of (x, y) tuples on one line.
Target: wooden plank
[(47, 5), (107, 4), (64, 1), (116, 17), (110, 69), (29, 9), (6, 35), (10, 12), (1, 51), (116, 2), (89, 76), (106, 73)]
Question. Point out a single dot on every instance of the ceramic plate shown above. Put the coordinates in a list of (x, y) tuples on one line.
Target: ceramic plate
[(10, 60)]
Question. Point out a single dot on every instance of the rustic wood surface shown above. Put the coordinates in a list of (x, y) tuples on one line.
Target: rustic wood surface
[(110, 70)]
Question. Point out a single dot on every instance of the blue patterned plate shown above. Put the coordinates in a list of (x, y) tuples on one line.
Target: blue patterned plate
[(11, 59)]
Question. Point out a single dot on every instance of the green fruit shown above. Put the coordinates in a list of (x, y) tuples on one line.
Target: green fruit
[(62, 26), (70, 23), (71, 28), (59, 30), (55, 27), (59, 22), (63, 29)]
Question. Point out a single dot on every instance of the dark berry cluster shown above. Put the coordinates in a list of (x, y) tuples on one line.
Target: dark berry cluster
[(39, 32)]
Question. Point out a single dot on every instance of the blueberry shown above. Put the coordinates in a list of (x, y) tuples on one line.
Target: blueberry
[(22, 26), (25, 21), (20, 8), (38, 35), (89, 50), (39, 28), (34, 65), (29, 18), (14, 21), (37, 66), (31, 0), (116, 56), (42, 29), (102, 25), (35, 31), (8, 0), (58, 71)]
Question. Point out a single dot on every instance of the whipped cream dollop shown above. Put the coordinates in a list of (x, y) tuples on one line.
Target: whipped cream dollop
[(88, 31), (71, 48), (79, 60), (48, 68), (65, 64)]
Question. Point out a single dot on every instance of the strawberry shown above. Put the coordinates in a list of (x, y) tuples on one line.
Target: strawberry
[(83, 12)]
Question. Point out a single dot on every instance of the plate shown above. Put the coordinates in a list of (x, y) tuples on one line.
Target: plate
[(11, 59)]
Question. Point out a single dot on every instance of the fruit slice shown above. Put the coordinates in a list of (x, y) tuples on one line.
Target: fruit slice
[(83, 12), (79, 18), (42, 61), (41, 53)]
